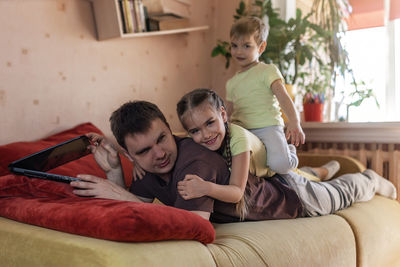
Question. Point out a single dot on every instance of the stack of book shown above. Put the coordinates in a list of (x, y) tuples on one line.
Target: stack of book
[(134, 16), (151, 16), (167, 21)]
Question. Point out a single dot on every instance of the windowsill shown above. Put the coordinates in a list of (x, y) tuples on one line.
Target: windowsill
[(368, 132)]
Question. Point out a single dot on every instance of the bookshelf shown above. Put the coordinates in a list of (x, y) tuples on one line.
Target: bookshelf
[(109, 22)]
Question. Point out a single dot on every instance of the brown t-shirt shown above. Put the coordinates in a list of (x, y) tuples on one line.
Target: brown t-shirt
[(270, 198)]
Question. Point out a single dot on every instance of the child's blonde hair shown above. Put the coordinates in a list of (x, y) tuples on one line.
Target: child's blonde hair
[(196, 98), (250, 25)]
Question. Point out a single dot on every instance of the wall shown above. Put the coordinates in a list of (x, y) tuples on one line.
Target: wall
[(222, 23), (54, 74)]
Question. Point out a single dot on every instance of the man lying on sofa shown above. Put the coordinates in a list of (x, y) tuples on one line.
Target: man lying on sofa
[(142, 131)]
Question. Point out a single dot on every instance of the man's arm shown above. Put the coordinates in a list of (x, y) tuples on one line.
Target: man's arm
[(93, 186)]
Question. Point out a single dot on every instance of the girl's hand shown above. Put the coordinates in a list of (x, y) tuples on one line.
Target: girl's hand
[(104, 153), (192, 187), (295, 134), (138, 172)]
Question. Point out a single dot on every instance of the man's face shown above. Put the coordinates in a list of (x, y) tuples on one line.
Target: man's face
[(155, 151)]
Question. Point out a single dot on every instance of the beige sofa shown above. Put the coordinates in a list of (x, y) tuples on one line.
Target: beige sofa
[(366, 234)]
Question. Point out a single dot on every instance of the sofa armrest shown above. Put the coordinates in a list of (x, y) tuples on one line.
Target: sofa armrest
[(347, 164)]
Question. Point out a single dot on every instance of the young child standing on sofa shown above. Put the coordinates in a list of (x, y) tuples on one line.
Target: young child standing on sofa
[(203, 115), (256, 94)]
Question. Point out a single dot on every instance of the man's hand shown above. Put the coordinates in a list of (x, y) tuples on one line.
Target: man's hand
[(295, 134), (192, 187), (104, 153), (100, 188)]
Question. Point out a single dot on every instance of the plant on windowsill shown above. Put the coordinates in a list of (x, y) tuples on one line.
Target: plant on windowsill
[(360, 93), (313, 86)]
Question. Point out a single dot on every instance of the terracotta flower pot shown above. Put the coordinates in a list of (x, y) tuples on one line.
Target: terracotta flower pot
[(313, 111)]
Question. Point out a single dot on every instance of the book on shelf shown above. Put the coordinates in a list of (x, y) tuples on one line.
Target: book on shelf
[(167, 21), (121, 10), (140, 15), (133, 16), (126, 16), (181, 8)]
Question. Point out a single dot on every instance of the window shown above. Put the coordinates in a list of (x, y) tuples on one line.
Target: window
[(374, 55)]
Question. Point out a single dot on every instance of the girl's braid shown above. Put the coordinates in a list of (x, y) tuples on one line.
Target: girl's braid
[(228, 153)]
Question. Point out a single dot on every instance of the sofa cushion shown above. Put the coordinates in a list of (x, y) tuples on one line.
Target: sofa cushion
[(53, 205), (27, 245), (376, 226), (320, 241)]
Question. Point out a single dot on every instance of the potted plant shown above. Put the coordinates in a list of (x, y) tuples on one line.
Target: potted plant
[(313, 86)]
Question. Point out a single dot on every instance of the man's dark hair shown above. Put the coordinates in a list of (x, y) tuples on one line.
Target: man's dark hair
[(134, 117)]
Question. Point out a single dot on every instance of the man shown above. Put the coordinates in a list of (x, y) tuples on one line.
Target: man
[(142, 131)]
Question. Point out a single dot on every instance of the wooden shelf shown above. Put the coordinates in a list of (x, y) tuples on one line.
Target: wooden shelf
[(156, 33), (109, 23)]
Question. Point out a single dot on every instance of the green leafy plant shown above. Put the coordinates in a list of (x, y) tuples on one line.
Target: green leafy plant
[(330, 15), (361, 94), (356, 97)]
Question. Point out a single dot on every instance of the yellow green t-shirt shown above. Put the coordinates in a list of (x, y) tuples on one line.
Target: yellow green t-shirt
[(241, 140), (254, 103)]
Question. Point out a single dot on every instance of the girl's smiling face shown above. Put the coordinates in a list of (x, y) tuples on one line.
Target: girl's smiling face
[(206, 125)]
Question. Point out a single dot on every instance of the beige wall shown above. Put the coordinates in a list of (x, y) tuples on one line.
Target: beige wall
[(54, 74), (222, 23)]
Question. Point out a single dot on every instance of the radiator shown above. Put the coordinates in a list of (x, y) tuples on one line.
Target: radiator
[(382, 158), (376, 145)]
